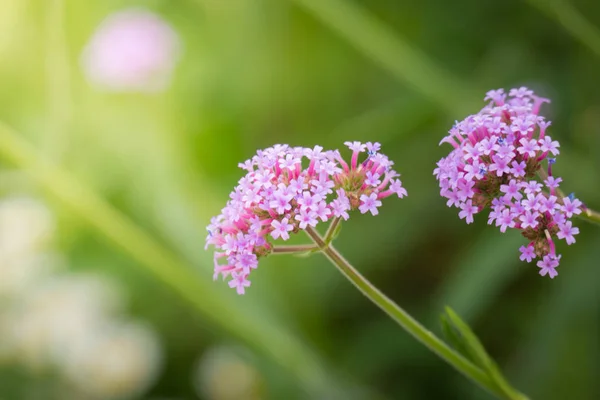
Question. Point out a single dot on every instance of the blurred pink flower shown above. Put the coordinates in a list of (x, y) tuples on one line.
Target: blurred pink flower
[(132, 50)]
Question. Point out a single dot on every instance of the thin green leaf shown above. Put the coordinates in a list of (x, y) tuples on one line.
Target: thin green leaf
[(453, 337), (336, 232), (477, 353), (572, 20), (386, 48)]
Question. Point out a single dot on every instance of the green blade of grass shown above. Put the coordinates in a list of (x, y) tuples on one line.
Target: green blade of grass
[(403, 60), (482, 272), (572, 20)]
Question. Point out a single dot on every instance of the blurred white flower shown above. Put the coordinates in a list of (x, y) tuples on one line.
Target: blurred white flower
[(25, 228), (17, 275), (57, 318), (119, 363), (132, 50), (25, 225), (66, 322), (223, 375)]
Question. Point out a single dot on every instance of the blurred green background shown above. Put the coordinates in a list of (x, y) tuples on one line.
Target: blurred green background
[(119, 186)]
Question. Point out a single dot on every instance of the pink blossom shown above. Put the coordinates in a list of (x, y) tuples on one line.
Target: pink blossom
[(566, 231), (527, 253), (356, 146), (528, 147), (239, 282), (396, 187), (373, 148), (281, 229), (369, 203), (571, 207), (468, 209), (322, 211), (529, 219), (548, 265), (308, 200), (548, 145), (500, 165), (287, 189), (306, 217), (505, 220), (132, 50), (552, 182), (495, 157), (518, 169), (512, 190), (521, 92), (372, 179)]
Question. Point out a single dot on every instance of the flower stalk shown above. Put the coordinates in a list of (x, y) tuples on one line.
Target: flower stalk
[(591, 215), (412, 326), (294, 249), (331, 231)]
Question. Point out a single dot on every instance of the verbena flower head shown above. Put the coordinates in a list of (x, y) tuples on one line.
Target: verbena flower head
[(496, 162), (287, 189)]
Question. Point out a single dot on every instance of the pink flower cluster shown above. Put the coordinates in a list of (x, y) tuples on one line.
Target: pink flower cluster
[(287, 189), (496, 163)]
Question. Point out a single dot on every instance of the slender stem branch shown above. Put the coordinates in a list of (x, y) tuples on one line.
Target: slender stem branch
[(411, 325), (331, 230), (302, 248), (591, 215)]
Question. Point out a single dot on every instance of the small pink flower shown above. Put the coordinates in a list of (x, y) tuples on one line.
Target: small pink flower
[(281, 229), (369, 203), (239, 282), (468, 209), (372, 179), (529, 219), (548, 265), (571, 207), (396, 187), (566, 231), (527, 253)]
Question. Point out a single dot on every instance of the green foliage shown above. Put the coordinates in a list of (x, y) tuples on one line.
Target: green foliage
[(464, 340), (306, 72)]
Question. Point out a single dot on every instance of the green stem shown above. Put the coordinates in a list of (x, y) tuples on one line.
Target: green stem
[(291, 249), (590, 215), (331, 230), (411, 325)]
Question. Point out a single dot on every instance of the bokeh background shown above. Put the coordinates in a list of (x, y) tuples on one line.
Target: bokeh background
[(105, 192)]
